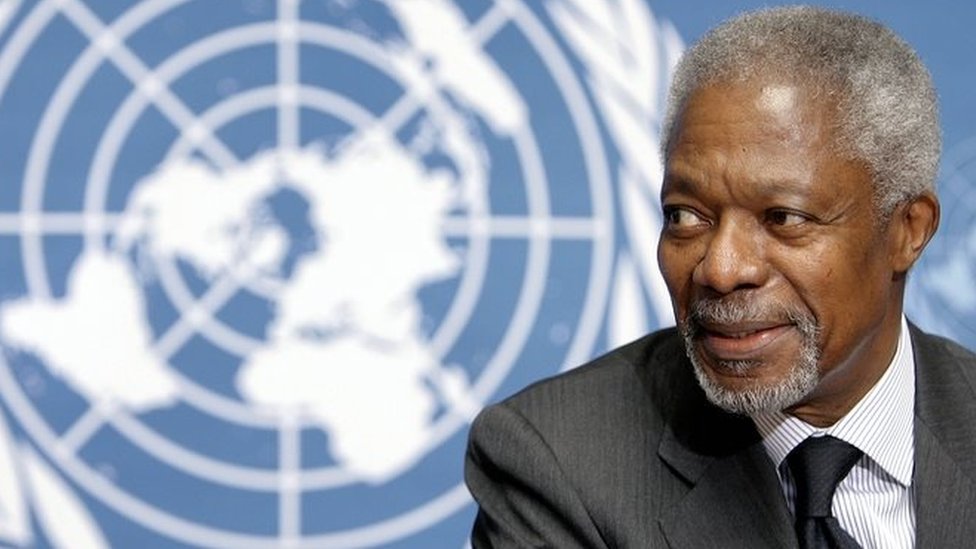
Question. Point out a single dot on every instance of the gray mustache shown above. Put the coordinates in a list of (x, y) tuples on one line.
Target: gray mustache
[(733, 310)]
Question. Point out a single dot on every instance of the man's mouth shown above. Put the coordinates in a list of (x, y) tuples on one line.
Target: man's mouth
[(741, 341)]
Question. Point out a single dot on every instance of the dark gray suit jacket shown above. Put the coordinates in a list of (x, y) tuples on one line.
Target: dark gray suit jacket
[(626, 452)]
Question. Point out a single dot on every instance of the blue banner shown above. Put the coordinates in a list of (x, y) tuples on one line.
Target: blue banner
[(262, 262)]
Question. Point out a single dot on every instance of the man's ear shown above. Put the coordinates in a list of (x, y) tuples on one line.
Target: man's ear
[(911, 227)]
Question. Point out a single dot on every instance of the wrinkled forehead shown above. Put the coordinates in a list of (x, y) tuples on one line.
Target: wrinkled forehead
[(784, 108)]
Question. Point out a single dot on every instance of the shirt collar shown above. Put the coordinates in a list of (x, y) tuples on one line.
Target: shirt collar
[(881, 425)]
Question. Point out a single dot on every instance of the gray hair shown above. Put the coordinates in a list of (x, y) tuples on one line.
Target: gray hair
[(886, 106)]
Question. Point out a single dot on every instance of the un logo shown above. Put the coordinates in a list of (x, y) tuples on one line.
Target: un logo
[(262, 262), (943, 298)]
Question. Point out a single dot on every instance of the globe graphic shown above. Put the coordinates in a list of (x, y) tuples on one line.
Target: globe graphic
[(266, 267), (937, 299), (262, 261)]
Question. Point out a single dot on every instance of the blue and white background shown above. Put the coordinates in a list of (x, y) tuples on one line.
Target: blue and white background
[(261, 262)]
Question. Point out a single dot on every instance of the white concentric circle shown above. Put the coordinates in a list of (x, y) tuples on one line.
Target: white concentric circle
[(199, 132)]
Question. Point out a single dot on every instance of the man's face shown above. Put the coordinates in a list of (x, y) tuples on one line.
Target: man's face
[(778, 268)]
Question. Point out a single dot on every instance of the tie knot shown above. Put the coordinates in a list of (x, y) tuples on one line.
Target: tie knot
[(818, 465)]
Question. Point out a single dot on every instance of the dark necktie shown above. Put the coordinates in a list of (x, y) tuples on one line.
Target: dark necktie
[(818, 465)]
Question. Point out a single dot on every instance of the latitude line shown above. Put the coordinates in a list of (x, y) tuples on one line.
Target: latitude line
[(289, 467), (558, 228), (289, 63), (55, 222), (399, 114), (492, 21), (7, 11), (409, 103), (82, 430), (144, 80), (393, 119), (463, 403), (190, 321)]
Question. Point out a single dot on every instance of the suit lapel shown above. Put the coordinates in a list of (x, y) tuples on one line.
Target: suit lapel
[(735, 502), (945, 444), (945, 501), (734, 499)]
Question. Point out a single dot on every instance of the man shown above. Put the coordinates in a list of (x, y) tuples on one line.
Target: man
[(800, 155)]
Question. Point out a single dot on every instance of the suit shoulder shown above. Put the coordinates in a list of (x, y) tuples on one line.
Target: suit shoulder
[(621, 399), (627, 372), (599, 426), (945, 346), (944, 358)]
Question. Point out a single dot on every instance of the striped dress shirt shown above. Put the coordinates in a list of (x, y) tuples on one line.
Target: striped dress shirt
[(875, 502)]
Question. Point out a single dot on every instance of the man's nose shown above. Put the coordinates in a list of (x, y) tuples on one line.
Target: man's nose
[(734, 258)]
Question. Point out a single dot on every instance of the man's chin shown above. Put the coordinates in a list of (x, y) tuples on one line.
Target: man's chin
[(749, 366), (740, 386)]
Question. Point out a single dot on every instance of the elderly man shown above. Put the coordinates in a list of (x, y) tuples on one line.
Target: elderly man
[(793, 405)]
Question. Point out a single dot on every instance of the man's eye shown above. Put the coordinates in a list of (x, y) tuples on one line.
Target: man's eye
[(786, 218), (679, 218)]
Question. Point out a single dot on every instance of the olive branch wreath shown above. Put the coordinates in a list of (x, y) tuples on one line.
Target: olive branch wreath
[(627, 56)]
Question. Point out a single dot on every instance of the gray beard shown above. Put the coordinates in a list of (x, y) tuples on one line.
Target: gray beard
[(798, 382)]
